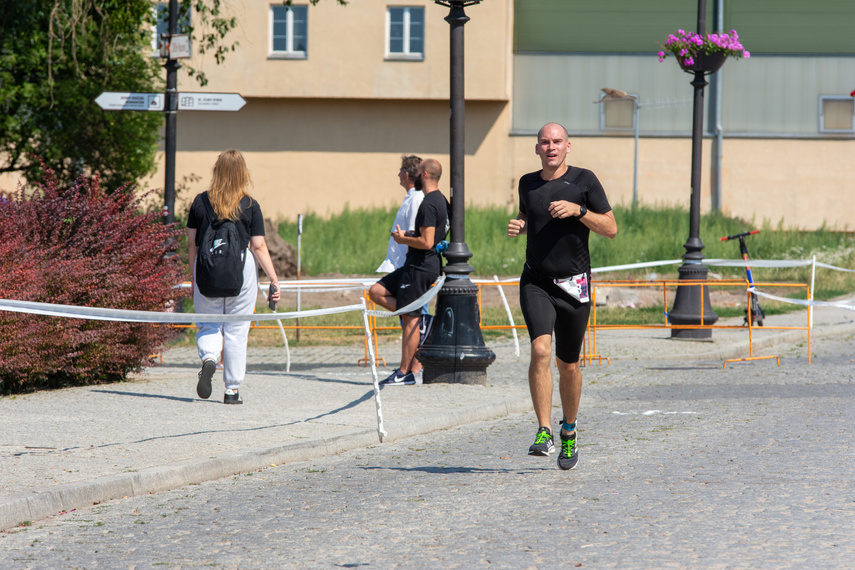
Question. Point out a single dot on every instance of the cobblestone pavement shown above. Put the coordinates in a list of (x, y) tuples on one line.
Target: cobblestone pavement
[(682, 464)]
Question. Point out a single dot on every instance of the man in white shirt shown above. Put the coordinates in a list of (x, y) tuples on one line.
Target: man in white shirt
[(405, 219), (406, 216)]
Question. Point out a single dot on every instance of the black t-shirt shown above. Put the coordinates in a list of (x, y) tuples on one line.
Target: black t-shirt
[(433, 211), (558, 248), (251, 220)]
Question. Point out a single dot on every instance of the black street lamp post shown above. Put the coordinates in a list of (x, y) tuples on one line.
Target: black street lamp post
[(691, 300), (171, 107), (454, 351)]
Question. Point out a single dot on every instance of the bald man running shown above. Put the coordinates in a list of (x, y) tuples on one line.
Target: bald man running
[(559, 206)]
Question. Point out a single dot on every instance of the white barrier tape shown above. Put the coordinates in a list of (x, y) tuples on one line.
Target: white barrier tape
[(98, 314), (373, 359), (779, 263), (263, 287), (803, 303), (417, 304), (827, 266), (783, 263), (635, 265)]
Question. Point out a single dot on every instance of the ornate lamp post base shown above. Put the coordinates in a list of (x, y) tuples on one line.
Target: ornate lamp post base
[(455, 351), (688, 302)]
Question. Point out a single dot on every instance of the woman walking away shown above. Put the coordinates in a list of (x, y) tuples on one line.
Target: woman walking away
[(223, 222)]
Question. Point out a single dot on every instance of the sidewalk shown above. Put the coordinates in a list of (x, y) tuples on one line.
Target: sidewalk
[(71, 448)]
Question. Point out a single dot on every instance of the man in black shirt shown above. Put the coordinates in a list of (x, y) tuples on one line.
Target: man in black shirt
[(559, 206), (420, 270)]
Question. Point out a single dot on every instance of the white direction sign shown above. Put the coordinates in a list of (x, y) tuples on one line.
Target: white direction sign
[(118, 101), (179, 46), (210, 101)]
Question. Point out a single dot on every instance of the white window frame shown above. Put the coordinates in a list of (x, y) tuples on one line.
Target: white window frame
[(406, 54), (822, 100), (289, 52), (603, 113)]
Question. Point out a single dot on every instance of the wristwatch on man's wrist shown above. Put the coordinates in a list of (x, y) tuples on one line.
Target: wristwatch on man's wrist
[(582, 211)]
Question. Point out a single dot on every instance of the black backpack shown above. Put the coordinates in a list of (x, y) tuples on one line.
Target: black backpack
[(220, 260)]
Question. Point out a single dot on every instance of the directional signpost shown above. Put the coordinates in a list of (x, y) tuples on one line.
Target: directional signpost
[(210, 102), (173, 46), (120, 101), (124, 101)]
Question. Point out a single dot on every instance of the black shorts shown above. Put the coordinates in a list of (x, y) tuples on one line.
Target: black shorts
[(407, 284), (547, 308)]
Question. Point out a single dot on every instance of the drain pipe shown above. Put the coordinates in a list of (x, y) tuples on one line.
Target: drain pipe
[(715, 118)]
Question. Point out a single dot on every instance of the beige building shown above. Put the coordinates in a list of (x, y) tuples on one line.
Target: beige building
[(335, 94), (326, 121)]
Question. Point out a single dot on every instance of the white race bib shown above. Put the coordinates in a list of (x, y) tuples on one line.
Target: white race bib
[(576, 286)]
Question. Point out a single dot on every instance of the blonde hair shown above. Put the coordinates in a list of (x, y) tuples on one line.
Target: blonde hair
[(229, 185)]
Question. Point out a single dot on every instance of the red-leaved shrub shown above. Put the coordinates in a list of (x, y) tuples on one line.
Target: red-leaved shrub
[(82, 246)]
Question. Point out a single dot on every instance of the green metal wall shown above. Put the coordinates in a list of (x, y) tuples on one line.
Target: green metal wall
[(638, 26)]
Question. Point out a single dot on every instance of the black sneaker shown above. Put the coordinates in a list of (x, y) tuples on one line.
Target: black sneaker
[(203, 387), (393, 377), (398, 378), (232, 397), (425, 324), (569, 456), (542, 443)]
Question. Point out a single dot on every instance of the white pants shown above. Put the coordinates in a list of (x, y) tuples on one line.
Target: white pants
[(213, 338)]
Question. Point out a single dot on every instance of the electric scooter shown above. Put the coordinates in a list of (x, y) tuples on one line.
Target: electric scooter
[(757, 314)]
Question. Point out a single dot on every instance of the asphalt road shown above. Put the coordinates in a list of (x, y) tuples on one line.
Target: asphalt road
[(682, 465)]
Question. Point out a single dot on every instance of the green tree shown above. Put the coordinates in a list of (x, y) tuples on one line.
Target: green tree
[(57, 56)]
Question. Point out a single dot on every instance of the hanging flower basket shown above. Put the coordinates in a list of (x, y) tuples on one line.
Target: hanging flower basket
[(704, 62), (702, 53)]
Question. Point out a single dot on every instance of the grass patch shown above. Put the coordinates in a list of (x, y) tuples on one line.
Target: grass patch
[(354, 243)]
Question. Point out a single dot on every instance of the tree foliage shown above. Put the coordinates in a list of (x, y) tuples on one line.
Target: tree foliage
[(82, 246), (56, 57)]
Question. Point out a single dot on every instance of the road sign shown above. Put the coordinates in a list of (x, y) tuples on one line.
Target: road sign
[(119, 101), (210, 101), (178, 46)]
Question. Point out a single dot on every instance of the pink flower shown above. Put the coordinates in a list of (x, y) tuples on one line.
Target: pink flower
[(687, 45)]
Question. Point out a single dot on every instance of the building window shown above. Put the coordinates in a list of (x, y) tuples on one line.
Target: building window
[(405, 32), (617, 114), (836, 114), (161, 24), (289, 31)]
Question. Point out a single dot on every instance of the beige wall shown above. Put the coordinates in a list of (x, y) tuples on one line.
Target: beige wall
[(346, 54), (9, 181), (312, 155), (805, 183), (318, 155), (329, 130)]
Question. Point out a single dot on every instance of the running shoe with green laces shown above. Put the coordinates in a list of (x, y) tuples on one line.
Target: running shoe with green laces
[(568, 457), (543, 444)]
